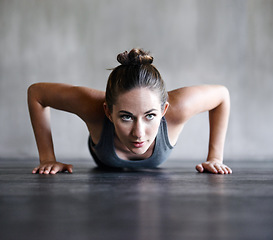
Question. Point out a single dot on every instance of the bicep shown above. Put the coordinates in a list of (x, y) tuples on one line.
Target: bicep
[(82, 101)]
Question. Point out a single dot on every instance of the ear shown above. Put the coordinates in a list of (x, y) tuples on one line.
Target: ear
[(165, 108), (107, 111)]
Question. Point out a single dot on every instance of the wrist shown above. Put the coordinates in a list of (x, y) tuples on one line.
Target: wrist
[(215, 159), (48, 159)]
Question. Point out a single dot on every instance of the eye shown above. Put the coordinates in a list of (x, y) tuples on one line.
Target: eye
[(126, 118), (150, 116)]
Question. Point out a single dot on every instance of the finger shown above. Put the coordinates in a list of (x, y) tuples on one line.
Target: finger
[(199, 168), (35, 170), (69, 168), (228, 170), (47, 170), (55, 169), (41, 170), (219, 169), (211, 168), (224, 170)]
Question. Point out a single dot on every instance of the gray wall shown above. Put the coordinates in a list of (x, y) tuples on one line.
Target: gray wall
[(193, 42)]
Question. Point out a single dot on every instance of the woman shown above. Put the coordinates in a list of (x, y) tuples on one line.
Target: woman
[(135, 123)]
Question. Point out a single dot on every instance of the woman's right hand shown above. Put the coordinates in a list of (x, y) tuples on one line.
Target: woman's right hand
[(84, 102), (52, 168)]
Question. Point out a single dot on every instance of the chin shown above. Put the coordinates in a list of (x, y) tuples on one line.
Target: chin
[(139, 151)]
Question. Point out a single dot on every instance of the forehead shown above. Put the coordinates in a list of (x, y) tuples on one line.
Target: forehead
[(138, 100)]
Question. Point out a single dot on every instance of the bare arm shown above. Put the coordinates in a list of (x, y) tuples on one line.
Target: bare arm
[(218, 117), (189, 101), (78, 100)]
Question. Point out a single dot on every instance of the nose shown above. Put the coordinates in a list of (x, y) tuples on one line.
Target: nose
[(138, 130)]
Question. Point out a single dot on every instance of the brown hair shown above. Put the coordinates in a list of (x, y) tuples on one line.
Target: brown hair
[(136, 71)]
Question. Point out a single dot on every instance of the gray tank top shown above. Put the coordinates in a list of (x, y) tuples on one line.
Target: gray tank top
[(106, 154)]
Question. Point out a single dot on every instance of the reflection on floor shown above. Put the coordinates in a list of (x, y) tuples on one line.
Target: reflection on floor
[(169, 203)]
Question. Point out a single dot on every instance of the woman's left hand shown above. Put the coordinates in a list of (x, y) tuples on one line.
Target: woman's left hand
[(213, 166)]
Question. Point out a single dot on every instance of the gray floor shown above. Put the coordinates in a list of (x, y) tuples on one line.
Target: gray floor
[(173, 202)]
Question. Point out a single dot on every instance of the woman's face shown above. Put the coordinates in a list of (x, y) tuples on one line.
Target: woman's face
[(136, 116)]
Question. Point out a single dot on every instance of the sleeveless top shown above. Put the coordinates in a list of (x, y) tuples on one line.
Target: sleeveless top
[(106, 155)]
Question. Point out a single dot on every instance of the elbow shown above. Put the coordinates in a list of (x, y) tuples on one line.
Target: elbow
[(225, 102), (31, 89), (226, 95), (33, 93)]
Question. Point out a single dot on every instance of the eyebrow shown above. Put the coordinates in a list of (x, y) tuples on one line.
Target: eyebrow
[(152, 110), (129, 113)]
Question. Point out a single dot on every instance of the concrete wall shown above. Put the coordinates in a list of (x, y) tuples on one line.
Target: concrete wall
[(226, 42)]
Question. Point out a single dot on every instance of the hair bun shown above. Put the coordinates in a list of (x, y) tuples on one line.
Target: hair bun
[(135, 57)]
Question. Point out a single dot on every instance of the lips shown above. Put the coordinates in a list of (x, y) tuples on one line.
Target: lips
[(138, 144)]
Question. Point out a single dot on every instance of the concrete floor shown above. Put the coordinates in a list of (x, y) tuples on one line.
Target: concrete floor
[(173, 202)]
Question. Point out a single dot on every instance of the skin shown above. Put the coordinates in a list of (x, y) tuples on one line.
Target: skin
[(136, 116)]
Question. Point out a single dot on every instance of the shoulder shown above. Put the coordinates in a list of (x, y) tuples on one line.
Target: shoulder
[(79, 100), (186, 102), (90, 101), (179, 110), (87, 103)]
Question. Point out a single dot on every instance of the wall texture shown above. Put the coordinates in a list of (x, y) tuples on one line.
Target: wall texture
[(193, 42)]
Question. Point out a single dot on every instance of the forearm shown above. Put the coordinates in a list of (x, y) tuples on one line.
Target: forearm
[(40, 119), (218, 118)]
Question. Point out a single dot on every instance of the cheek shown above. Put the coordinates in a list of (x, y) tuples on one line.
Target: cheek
[(152, 129), (122, 129)]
